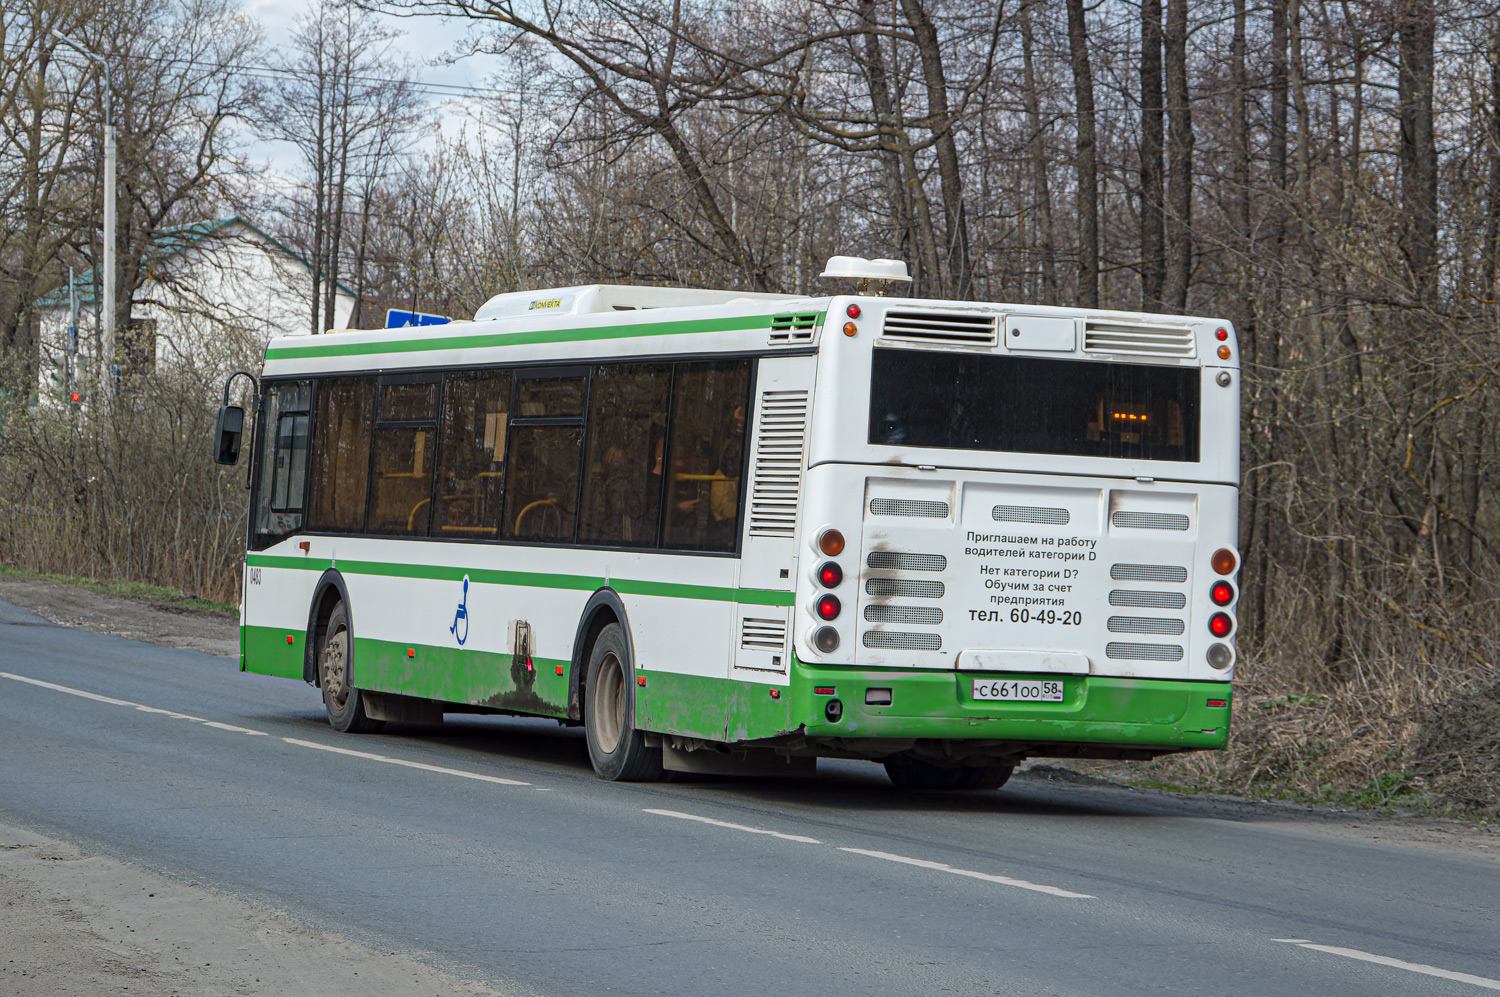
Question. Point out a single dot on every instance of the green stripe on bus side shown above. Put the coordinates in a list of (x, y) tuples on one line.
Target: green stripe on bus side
[(528, 579), (577, 335)]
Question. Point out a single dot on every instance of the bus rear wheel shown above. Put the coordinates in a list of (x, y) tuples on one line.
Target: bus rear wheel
[(912, 773), (345, 705), (617, 749)]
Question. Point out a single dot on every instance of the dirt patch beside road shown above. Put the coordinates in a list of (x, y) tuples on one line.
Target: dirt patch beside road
[(154, 623), (75, 923)]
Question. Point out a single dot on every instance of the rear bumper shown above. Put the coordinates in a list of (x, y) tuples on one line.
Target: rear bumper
[(1164, 714)]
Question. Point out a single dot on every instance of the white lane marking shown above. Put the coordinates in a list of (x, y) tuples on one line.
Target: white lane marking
[(125, 702), (987, 877), (1382, 960), (62, 688), (233, 729), (404, 763), (733, 827)]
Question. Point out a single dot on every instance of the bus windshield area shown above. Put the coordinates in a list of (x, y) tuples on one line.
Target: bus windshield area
[(923, 398)]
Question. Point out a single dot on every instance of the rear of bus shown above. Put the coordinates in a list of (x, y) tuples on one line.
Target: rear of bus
[(1018, 533)]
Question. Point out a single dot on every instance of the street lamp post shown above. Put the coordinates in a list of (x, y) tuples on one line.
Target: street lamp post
[(107, 335)]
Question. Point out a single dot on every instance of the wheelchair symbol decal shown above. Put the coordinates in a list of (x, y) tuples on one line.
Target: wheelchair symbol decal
[(460, 627)]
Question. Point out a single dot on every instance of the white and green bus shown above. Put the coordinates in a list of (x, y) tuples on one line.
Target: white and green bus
[(731, 532)]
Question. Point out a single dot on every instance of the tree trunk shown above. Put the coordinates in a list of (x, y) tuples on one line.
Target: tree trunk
[(1416, 25), (1041, 190), (1087, 164), (1152, 259), (960, 271), (1179, 238)]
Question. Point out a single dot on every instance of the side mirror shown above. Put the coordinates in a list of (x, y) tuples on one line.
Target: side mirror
[(228, 430)]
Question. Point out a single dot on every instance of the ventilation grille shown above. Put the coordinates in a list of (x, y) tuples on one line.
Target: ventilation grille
[(762, 635), (1144, 625), (903, 641), (940, 327), (922, 615), (889, 560), (1141, 340), (1150, 520), (1148, 573), (1147, 600), (1143, 652), (793, 328), (1029, 514), (907, 587), (909, 507), (780, 432)]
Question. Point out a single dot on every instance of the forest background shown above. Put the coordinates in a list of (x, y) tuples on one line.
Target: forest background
[(1325, 175)]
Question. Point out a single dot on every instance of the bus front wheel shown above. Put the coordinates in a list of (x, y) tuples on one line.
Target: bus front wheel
[(346, 708), (617, 749), (912, 773)]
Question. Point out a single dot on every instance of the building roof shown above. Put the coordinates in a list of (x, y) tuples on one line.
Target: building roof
[(174, 242)]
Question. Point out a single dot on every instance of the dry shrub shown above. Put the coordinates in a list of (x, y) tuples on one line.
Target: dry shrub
[(1411, 709), (132, 496)]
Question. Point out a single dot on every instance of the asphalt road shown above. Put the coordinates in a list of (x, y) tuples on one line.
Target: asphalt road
[(487, 848)]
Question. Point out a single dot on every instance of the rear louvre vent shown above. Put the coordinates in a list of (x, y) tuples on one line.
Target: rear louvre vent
[(1148, 573), (1147, 600), (920, 615), (1029, 514), (1141, 340), (1143, 652), (905, 587), (780, 432), (890, 560), (1143, 625), (905, 642), (762, 635), (1150, 520), (909, 507), (793, 328), (940, 327)]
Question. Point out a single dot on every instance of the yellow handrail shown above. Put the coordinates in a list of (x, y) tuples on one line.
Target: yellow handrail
[(528, 507)]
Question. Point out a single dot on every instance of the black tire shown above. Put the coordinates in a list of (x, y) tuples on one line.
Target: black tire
[(617, 750), (912, 773), (345, 705)]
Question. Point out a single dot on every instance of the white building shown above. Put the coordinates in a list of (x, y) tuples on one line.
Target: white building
[(214, 294)]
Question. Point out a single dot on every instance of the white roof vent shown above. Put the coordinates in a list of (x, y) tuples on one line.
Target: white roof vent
[(865, 271)]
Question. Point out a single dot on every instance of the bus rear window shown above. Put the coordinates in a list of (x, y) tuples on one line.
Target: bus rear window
[(921, 398)]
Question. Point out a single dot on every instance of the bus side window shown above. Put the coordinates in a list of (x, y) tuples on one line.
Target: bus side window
[(622, 478), (340, 461), (707, 455), (471, 468), (404, 441)]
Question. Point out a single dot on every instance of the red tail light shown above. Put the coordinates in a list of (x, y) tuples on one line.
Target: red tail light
[(829, 575), (1220, 624), (1222, 593), (852, 311), (829, 607)]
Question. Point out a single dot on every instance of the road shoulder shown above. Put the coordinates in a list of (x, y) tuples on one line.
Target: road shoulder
[(80, 923)]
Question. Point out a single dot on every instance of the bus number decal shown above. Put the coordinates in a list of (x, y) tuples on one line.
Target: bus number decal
[(254, 576)]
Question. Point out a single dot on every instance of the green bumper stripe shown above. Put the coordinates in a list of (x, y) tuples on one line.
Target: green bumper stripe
[(335, 348), (1138, 713), (528, 579)]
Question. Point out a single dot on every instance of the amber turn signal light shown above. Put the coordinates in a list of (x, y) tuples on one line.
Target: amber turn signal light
[(1224, 561)]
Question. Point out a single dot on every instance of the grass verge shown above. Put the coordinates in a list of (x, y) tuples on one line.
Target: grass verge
[(139, 591)]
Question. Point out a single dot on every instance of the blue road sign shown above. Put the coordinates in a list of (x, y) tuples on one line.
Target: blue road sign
[(395, 318)]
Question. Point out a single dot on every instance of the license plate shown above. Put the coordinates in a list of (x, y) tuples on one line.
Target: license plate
[(1019, 690)]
